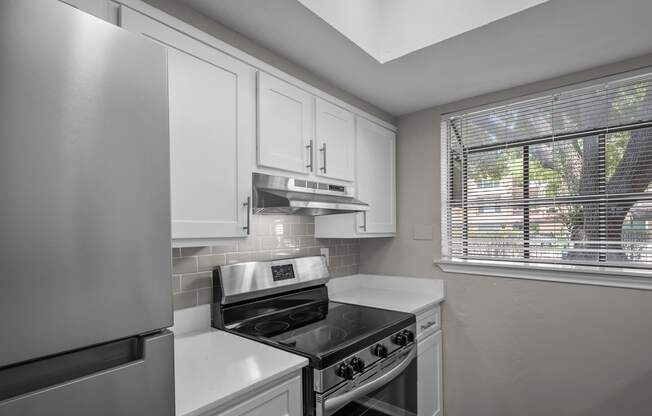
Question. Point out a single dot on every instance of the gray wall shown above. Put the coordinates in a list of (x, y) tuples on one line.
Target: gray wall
[(517, 347), (190, 16)]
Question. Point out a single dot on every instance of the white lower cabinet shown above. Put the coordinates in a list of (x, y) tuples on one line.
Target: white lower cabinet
[(429, 375), (212, 129), (284, 399)]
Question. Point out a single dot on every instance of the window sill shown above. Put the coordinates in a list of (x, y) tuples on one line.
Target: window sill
[(585, 275)]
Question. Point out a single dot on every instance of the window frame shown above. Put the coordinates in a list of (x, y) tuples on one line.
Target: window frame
[(638, 277)]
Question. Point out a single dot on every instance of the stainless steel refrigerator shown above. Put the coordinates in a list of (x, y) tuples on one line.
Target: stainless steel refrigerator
[(85, 288)]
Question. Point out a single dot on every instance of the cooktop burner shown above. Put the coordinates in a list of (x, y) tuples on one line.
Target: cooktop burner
[(271, 326), (306, 316)]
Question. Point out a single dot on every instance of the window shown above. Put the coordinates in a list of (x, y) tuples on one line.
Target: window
[(487, 183), (562, 178), (490, 209)]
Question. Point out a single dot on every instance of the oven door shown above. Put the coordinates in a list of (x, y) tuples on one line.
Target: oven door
[(387, 389)]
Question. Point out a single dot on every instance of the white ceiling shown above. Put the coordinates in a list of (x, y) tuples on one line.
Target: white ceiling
[(389, 29), (545, 41)]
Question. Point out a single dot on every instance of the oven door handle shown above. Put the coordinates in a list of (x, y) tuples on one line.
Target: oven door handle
[(337, 401)]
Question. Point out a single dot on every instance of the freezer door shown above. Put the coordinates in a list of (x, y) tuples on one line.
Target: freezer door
[(84, 182), (140, 386)]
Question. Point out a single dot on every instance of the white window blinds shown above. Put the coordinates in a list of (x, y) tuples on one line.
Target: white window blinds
[(563, 178)]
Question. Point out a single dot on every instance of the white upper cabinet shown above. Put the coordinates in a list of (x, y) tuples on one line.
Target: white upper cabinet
[(212, 126), (285, 126), (335, 138), (375, 184), (376, 177), (225, 123)]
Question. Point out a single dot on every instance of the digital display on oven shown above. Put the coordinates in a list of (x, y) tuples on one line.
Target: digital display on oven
[(282, 272)]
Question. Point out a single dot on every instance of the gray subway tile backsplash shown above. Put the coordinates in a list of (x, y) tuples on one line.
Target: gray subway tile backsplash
[(196, 281), (182, 300), (208, 263), (182, 265), (194, 251), (273, 237)]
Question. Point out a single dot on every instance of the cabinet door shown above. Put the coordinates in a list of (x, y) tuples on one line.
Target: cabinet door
[(211, 128), (429, 376), (281, 400), (335, 138), (376, 177), (285, 125)]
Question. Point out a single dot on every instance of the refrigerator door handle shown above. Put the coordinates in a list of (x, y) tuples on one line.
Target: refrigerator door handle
[(133, 376), (36, 375)]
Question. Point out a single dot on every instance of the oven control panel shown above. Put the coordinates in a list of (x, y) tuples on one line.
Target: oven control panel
[(283, 272), (356, 365)]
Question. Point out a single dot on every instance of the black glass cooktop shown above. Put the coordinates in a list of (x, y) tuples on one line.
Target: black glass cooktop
[(343, 323), (320, 329)]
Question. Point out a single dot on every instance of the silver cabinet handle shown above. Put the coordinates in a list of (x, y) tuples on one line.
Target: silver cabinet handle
[(248, 206), (428, 324), (364, 221), (334, 402), (309, 147), (323, 150)]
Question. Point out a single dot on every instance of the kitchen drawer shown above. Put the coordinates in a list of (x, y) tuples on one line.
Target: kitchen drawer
[(428, 322)]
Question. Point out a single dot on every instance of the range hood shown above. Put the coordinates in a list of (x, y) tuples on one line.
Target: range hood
[(284, 195)]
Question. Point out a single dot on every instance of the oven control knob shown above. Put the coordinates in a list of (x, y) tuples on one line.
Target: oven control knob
[(345, 371), (401, 339), (379, 350), (357, 364), (409, 335)]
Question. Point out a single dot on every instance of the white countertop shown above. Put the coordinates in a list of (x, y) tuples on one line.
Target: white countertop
[(213, 367), (405, 294)]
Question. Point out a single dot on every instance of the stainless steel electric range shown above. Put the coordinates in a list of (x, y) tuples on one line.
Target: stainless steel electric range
[(362, 360)]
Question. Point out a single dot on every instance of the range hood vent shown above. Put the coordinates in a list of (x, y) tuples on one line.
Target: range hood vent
[(283, 195)]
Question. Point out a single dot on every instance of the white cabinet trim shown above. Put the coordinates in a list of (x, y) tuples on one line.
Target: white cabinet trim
[(165, 18)]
